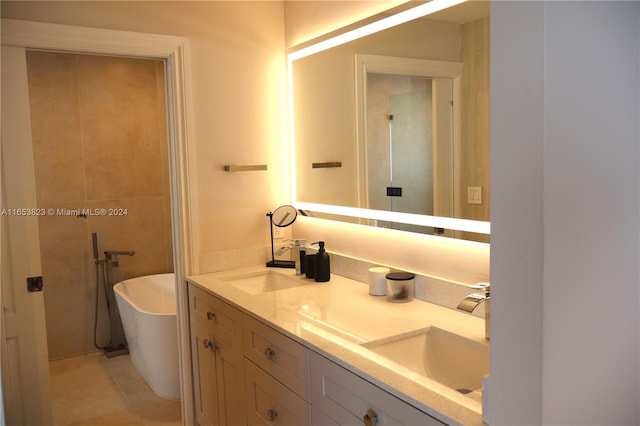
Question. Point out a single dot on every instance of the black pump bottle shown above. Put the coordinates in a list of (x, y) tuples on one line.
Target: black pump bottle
[(322, 264)]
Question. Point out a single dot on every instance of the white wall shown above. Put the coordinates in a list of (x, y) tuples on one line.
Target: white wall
[(517, 52), (238, 81), (565, 210), (305, 20), (591, 178)]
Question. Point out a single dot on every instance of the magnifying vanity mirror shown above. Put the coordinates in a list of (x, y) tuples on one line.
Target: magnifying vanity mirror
[(281, 217), (390, 125)]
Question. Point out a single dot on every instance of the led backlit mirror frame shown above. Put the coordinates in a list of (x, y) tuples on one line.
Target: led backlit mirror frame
[(389, 21)]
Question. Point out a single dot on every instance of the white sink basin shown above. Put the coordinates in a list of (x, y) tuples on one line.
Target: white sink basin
[(263, 282), (456, 362)]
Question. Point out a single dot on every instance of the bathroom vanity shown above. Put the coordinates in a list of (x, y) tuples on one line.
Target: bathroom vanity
[(270, 347)]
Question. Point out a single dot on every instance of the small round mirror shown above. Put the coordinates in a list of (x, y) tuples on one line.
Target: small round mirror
[(284, 216)]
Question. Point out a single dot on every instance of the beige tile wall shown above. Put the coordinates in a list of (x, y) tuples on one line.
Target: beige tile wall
[(99, 138), (475, 120)]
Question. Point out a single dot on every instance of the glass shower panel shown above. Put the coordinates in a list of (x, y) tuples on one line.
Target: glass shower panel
[(400, 145)]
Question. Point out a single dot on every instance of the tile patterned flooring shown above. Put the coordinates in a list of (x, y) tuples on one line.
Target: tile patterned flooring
[(94, 390)]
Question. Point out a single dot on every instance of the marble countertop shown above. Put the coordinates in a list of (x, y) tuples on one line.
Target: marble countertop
[(334, 318)]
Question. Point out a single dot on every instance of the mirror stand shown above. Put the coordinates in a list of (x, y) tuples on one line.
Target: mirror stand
[(285, 216)]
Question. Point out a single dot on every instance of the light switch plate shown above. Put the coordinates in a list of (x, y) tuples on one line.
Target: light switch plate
[(474, 195)]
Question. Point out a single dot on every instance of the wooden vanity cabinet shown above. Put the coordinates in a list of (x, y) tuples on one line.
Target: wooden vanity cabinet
[(244, 371), (218, 361), (247, 373)]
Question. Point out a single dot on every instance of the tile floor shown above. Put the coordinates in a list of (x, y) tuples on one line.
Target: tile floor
[(94, 390)]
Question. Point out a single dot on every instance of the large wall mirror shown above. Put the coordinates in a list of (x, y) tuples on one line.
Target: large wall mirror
[(391, 128)]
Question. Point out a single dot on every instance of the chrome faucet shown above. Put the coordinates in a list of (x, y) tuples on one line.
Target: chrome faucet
[(298, 246), (471, 302)]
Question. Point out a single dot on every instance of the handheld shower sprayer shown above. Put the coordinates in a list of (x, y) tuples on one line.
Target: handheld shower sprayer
[(94, 236)]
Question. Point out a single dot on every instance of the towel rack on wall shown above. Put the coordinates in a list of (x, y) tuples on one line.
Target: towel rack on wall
[(244, 168), (326, 165)]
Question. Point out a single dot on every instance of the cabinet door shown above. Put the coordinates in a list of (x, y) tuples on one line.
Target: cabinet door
[(271, 403), (230, 374), (348, 399), (204, 376), (212, 313)]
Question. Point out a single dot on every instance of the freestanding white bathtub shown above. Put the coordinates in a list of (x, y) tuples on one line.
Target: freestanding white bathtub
[(147, 308)]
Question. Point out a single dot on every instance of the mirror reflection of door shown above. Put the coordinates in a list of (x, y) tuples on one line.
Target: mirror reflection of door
[(400, 145), (419, 176)]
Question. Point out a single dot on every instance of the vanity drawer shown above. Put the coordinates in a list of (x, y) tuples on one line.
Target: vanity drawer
[(347, 399), (269, 402), (222, 319), (278, 355)]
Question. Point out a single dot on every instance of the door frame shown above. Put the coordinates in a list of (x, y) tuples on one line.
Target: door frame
[(174, 51)]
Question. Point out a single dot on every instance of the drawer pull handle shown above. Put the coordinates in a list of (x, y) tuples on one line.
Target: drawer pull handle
[(269, 353), (211, 316), (210, 345), (272, 415), (371, 418)]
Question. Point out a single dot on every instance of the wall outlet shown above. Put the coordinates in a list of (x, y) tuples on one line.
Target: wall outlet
[(278, 232)]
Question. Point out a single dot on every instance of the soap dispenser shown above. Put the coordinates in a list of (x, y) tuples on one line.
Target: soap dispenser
[(322, 265)]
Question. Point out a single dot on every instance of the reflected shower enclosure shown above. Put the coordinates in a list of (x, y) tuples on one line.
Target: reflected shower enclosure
[(399, 144)]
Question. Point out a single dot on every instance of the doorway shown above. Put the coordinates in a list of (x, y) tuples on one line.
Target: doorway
[(100, 155), (24, 324), (99, 137)]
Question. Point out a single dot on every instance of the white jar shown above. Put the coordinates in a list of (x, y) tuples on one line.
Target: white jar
[(378, 281)]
